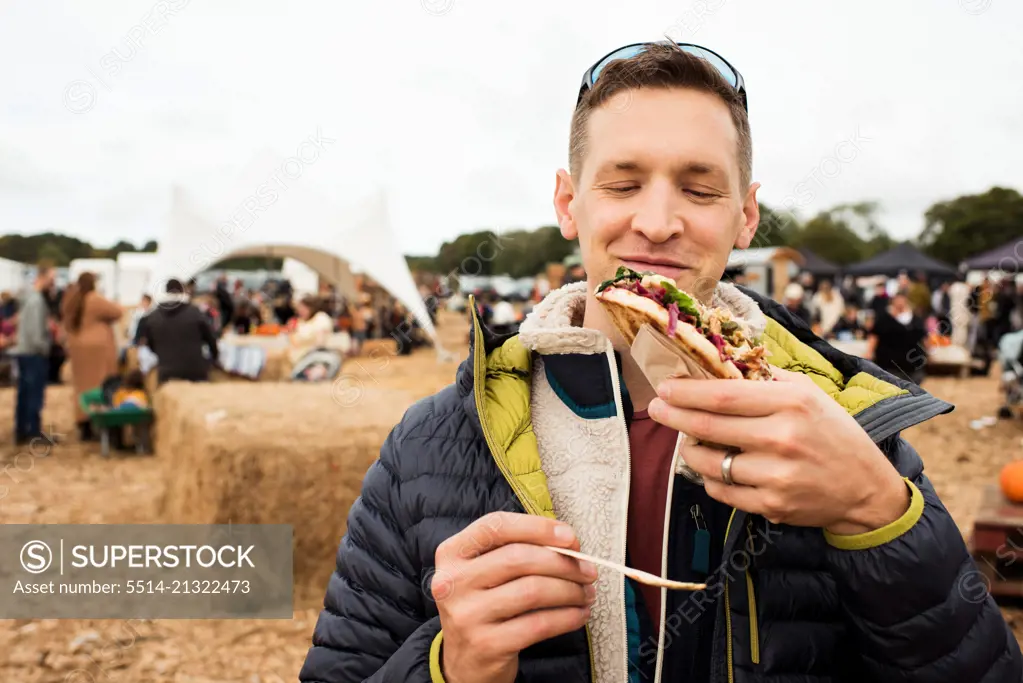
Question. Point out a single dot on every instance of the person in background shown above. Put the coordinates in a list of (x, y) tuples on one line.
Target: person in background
[(941, 306), (312, 331), (828, 307), (1005, 306), (902, 284), (879, 303), (920, 295), (283, 310), (985, 306), (368, 316), (225, 302), (32, 352), (850, 292), (246, 317), (359, 328), (898, 341), (8, 306), (848, 326), (89, 320), (58, 354), (794, 302), (132, 392), (181, 337), (504, 319), (140, 312)]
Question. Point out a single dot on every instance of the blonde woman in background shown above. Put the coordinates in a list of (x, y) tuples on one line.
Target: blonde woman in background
[(91, 343), (828, 307), (313, 330)]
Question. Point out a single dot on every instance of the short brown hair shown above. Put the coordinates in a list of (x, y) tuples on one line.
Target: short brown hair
[(313, 303), (661, 65)]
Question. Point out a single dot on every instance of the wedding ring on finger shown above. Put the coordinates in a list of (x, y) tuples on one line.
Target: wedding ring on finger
[(726, 468)]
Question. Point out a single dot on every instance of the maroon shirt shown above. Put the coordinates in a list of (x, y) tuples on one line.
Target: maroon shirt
[(652, 446)]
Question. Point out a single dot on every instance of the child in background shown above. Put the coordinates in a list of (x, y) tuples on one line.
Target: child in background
[(132, 392)]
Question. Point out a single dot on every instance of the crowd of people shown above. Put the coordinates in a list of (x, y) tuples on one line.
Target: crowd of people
[(181, 331), (242, 311), (904, 317)]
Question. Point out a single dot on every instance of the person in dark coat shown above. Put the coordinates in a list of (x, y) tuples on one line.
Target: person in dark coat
[(898, 341), (825, 554), (181, 337)]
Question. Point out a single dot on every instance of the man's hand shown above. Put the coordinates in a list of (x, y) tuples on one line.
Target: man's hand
[(499, 591), (804, 461)]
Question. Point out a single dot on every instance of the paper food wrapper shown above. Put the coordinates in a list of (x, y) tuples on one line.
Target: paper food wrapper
[(660, 359)]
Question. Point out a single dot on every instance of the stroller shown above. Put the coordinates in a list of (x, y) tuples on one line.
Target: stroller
[(319, 365), (1010, 358)]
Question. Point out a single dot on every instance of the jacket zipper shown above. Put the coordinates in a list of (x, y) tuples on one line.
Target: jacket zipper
[(728, 609), (616, 383), (754, 622), (664, 559), (479, 379)]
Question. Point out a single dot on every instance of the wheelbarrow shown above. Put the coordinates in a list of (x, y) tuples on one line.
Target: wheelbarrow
[(104, 419)]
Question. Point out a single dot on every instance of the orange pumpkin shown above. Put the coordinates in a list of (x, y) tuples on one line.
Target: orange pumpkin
[(1011, 481)]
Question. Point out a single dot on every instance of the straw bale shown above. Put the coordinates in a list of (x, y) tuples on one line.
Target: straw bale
[(379, 347), (272, 453)]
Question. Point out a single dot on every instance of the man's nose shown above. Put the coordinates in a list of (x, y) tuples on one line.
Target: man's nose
[(658, 217)]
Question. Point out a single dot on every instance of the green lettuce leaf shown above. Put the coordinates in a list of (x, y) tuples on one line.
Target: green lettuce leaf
[(622, 273), (685, 303)]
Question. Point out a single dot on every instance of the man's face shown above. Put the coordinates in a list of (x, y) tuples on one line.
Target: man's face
[(659, 189)]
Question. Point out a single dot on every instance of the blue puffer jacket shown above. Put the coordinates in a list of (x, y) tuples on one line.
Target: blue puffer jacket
[(900, 604)]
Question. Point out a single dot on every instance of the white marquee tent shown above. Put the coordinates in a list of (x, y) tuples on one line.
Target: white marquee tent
[(265, 213)]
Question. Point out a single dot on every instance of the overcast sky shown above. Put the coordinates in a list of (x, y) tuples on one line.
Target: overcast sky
[(460, 108)]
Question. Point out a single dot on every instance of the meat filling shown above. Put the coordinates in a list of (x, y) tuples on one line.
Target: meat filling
[(725, 334)]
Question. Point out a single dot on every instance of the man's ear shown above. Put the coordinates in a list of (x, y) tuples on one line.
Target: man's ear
[(751, 218), (564, 193)]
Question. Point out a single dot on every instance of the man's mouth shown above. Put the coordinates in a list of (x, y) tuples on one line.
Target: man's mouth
[(669, 270)]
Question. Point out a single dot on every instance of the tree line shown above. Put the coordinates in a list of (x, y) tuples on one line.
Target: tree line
[(953, 230), (60, 250)]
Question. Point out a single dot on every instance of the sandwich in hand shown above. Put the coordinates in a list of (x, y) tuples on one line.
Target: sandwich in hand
[(712, 337)]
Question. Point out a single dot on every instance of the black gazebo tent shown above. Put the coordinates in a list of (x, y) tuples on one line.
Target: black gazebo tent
[(1008, 257), (904, 257), (816, 265)]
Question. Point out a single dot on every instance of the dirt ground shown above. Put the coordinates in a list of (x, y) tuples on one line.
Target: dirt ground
[(73, 484)]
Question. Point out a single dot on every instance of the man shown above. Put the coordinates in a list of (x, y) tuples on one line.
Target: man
[(897, 341), (829, 558), (181, 337), (32, 352), (941, 304), (795, 302), (140, 312), (880, 301)]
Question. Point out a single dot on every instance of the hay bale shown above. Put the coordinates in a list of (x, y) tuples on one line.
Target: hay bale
[(264, 453), (379, 348), (277, 367)]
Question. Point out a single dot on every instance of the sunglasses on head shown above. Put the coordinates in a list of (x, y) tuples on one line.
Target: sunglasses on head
[(727, 71)]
